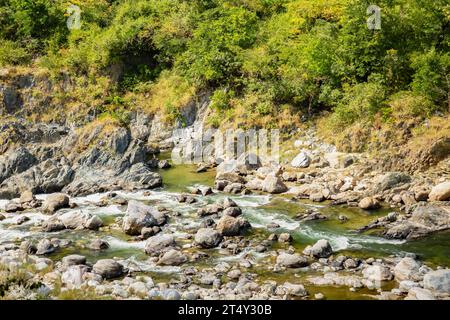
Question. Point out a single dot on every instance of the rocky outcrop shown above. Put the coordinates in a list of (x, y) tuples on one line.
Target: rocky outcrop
[(424, 220)]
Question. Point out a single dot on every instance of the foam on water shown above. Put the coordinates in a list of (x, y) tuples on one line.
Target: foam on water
[(260, 219), (121, 244)]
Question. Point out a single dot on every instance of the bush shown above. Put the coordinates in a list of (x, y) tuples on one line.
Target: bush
[(12, 54)]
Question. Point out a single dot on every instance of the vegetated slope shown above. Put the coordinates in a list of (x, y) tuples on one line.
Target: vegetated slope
[(264, 63)]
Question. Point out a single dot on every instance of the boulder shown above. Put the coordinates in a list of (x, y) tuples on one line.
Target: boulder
[(440, 192), (73, 276), (230, 226), (158, 244), (45, 246), (407, 269), (73, 260), (438, 280), (98, 244), (292, 260), (79, 220), (172, 258), (369, 203), (295, 290), (208, 238), (391, 180), (417, 293), (377, 273), (321, 249), (54, 202), (273, 184), (138, 216), (302, 160), (108, 268), (232, 211)]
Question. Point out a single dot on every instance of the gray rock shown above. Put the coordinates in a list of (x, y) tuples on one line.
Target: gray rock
[(292, 260), (391, 180), (73, 260), (417, 293), (208, 238), (302, 160), (138, 216), (230, 226), (407, 269), (273, 184), (108, 268), (321, 249), (54, 202), (45, 246), (232, 211), (172, 258), (438, 280), (98, 244), (158, 244)]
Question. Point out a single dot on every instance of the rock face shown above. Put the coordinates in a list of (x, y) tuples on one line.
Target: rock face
[(292, 260), (273, 184), (321, 249), (302, 160), (46, 177), (138, 216), (54, 202), (15, 162), (208, 238), (108, 268), (441, 192), (438, 280)]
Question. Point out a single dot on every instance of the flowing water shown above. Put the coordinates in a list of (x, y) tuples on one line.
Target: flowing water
[(258, 209)]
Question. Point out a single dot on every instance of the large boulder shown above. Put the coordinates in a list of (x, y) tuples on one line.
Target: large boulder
[(292, 260), (208, 238), (54, 202), (79, 219), (377, 273), (302, 160), (321, 249), (273, 184), (440, 192), (108, 268), (138, 216), (158, 244), (230, 226), (407, 269), (438, 280)]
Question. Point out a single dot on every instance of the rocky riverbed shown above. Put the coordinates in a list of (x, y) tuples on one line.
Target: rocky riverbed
[(191, 241), (100, 213)]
